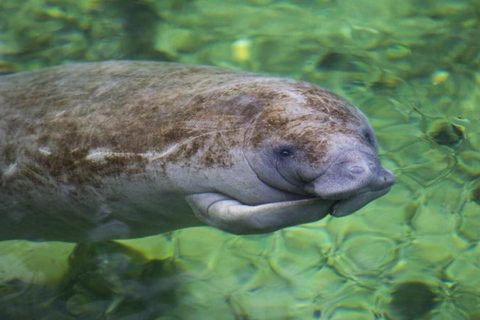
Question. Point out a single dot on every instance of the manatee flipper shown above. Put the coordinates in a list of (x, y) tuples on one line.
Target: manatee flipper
[(233, 216)]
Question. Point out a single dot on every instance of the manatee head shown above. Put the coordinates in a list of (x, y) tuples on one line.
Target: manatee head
[(313, 143)]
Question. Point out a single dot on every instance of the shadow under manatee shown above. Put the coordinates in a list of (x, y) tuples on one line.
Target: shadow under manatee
[(105, 280), (412, 300)]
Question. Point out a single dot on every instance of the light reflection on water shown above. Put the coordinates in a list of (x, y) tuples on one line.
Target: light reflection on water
[(412, 68)]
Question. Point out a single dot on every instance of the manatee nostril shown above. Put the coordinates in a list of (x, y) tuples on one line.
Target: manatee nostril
[(371, 165), (388, 178)]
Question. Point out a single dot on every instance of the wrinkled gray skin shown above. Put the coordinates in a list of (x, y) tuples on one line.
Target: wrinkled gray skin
[(107, 150)]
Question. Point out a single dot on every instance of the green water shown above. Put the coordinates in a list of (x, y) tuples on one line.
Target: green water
[(412, 66)]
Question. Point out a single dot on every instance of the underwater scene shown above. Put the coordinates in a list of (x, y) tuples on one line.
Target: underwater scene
[(412, 67)]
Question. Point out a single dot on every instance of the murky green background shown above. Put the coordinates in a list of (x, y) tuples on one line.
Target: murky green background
[(412, 66)]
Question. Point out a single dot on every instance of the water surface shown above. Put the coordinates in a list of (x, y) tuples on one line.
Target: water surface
[(413, 67)]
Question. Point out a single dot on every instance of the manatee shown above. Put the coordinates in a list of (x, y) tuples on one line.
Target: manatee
[(124, 149)]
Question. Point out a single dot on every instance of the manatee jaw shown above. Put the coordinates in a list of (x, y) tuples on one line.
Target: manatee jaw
[(345, 207)]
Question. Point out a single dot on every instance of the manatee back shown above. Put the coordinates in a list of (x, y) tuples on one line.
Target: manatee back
[(53, 118), (78, 99), (54, 121)]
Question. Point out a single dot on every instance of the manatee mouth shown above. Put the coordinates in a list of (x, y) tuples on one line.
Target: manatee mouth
[(351, 182)]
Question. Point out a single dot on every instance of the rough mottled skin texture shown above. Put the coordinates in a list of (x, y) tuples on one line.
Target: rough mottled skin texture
[(77, 142)]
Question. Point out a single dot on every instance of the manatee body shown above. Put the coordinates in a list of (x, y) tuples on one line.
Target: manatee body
[(121, 149)]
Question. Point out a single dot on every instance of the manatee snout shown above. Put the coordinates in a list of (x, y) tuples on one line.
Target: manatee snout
[(353, 172)]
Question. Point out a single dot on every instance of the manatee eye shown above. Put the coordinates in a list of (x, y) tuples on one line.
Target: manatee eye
[(369, 138), (285, 152)]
